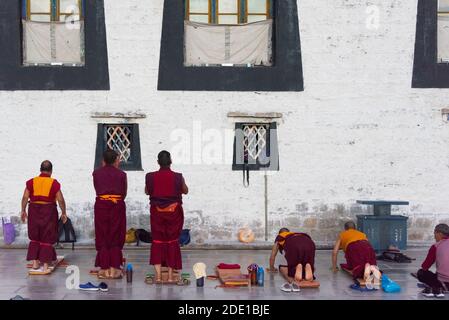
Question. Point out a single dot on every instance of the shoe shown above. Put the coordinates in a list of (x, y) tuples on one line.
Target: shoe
[(439, 293), (295, 287), (287, 287), (88, 287), (103, 287), (427, 292)]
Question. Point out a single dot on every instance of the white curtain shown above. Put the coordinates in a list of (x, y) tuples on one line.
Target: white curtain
[(53, 42), (228, 44), (443, 38)]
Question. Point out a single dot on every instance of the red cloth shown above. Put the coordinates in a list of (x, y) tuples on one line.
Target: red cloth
[(228, 266), (110, 180), (55, 187), (430, 259), (164, 187), (299, 249), (357, 255), (166, 228), (110, 217), (42, 231), (110, 233)]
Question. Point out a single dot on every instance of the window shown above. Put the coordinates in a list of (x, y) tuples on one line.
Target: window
[(79, 62), (124, 139), (255, 146), (53, 32), (52, 10), (443, 31), (228, 11), (216, 33), (194, 57), (431, 60)]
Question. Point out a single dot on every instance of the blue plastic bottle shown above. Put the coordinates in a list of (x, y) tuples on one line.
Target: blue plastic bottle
[(260, 277), (129, 273)]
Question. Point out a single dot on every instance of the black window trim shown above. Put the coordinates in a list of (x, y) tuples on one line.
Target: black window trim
[(427, 71), (285, 75), (94, 75), (270, 151), (136, 163)]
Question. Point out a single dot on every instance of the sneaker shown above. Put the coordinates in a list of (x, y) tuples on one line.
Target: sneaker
[(439, 293), (103, 287), (427, 292), (287, 287), (88, 287), (295, 287)]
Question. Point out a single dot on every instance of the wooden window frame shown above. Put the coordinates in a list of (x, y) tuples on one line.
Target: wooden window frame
[(55, 10), (242, 11)]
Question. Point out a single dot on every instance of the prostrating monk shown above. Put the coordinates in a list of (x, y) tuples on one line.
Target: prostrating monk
[(299, 251), (165, 189), (110, 215), (360, 255), (43, 192), (438, 282)]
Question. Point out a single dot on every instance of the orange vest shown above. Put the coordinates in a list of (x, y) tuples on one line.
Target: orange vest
[(41, 190), (349, 236)]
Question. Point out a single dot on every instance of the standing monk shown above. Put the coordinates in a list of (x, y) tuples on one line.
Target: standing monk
[(360, 255), (42, 193), (165, 189), (110, 216)]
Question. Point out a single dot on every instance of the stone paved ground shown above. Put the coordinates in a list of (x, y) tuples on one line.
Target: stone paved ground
[(15, 280)]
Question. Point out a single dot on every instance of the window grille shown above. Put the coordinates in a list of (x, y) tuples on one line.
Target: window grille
[(118, 138), (254, 140), (125, 140)]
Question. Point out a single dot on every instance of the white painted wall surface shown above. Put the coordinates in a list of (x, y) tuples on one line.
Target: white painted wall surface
[(358, 131)]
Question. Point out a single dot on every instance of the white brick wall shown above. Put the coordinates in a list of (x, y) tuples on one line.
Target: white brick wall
[(358, 131)]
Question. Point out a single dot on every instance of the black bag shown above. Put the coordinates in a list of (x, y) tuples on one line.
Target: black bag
[(144, 236), (66, 232)]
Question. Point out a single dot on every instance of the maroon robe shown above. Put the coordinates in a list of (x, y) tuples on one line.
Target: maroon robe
[(110, 216), (42, 219), (166, 217), (299, 249), (357, 255)]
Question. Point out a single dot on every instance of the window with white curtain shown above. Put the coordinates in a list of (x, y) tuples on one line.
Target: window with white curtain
[(53, 32)]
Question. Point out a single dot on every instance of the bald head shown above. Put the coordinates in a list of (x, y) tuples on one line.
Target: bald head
[(349, 225), (46, 166)]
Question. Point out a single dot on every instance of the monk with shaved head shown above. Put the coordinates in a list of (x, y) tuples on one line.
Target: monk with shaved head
[(111, 187), (40, 195), (360, 255)]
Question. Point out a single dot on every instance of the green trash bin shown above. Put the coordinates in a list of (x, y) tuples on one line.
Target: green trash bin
[(383, 231)]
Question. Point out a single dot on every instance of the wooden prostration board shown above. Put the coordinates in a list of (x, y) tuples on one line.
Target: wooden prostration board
[(39, 272), (361, 281)]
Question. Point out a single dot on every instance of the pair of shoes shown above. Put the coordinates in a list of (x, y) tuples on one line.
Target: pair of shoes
[(431, 293), (91, 287), (290, 287)]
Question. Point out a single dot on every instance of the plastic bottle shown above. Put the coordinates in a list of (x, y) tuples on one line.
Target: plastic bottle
[(260, 277), (129, 273)]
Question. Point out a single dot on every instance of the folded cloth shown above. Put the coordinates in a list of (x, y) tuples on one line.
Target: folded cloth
[(228, 266)]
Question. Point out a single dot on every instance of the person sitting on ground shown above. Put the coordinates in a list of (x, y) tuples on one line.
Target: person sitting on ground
[(360, 255), (299, 251), (438, 254)]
